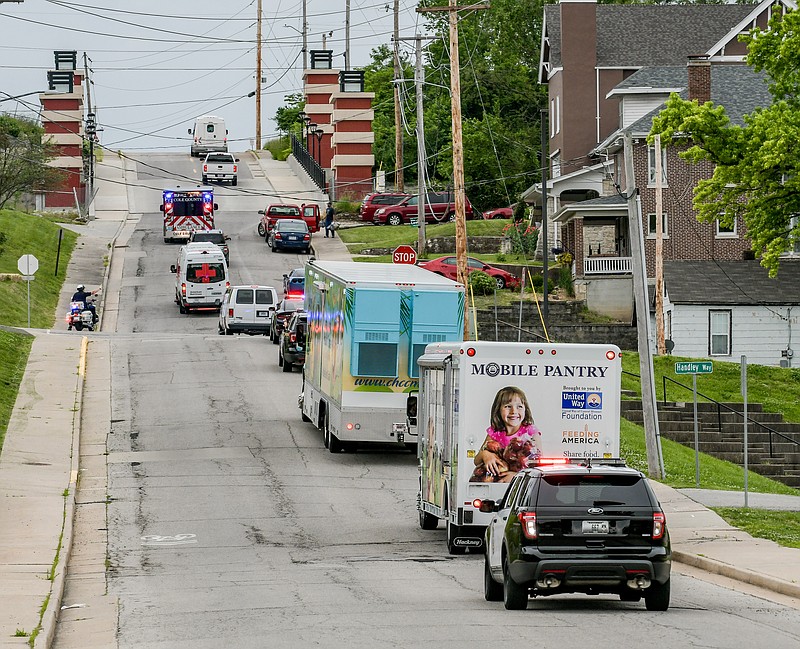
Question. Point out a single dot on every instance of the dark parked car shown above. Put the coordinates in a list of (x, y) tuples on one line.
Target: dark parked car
[(294, 282), (214, 236), (591, 527), (286, 309), (447, 266), (373, 202), (439, 208), (292, 350), (290, 234)]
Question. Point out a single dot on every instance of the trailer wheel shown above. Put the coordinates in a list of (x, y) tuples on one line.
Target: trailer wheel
[(332, 442), (428, 521)]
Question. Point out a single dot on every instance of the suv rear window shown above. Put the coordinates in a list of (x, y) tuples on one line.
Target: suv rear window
[(213, 237), (593, 490)]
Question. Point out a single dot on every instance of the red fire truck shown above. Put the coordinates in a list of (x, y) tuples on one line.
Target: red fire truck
[(186, 210)]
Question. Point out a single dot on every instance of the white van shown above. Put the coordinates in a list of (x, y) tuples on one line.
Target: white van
[(247, 309), (201, 277), (209, 135)]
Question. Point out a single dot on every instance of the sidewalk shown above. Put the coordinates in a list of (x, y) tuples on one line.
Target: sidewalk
[(39, 462)]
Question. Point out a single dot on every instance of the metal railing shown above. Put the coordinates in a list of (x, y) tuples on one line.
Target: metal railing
[(316, 173), (607, 266), (722, 406)]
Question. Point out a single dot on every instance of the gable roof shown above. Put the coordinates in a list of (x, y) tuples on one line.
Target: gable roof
[(738, 88), (731, 283), (644, 35)]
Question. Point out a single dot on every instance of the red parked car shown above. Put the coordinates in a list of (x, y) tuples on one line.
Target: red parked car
[(447, 266), (500, 213), (375, 201)]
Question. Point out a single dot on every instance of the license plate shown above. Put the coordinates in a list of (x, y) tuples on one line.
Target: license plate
[(595, 527), (261, 314)]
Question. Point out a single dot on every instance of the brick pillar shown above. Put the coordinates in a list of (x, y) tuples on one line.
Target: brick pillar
[(62, 120)]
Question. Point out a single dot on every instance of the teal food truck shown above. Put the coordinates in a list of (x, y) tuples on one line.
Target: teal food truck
[(367, 326)]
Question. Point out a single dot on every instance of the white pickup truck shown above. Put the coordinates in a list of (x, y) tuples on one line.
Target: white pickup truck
[(220, 167)]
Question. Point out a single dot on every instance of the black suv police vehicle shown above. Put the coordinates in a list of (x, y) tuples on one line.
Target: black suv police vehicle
[(581, 526)]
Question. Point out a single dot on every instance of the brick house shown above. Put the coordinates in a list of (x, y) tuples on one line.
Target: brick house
[(595, 100)]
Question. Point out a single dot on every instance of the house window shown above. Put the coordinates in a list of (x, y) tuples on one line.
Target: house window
[(719, 333), (726, 231), (794, 248), (651, 166), (552, 118), (555, 165), (651, 226)]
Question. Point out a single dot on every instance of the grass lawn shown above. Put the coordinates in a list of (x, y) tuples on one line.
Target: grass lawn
[(364, 237), (27, 234), (781, 527), (22, 234), (14, 350)]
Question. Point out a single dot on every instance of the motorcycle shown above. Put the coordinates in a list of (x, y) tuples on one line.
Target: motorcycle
[(79, 317)]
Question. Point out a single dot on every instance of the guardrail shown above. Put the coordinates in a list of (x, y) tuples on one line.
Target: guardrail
[(316, 173)]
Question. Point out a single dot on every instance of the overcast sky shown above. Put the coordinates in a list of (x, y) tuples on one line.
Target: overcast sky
[(157, 64)]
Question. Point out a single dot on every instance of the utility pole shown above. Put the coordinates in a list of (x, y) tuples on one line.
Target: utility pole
[(422, 191), (543, 116), (652, 437), (398, 121), (258, 77), (347, 36), (90, 131), (305, 36), (458, 148), (660, 344)]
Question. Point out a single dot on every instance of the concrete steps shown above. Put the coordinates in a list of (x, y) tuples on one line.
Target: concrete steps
[(720, 433)]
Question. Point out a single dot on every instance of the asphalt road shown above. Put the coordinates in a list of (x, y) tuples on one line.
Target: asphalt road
[(230, 525)]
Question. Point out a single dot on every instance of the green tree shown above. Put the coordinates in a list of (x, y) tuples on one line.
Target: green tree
[(757, 166), (287, 117), (24, 154)]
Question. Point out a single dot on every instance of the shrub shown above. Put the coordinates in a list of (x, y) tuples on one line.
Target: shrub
[(346, 207), (523, 238), (481, 283), (280, 148), (565, 279)]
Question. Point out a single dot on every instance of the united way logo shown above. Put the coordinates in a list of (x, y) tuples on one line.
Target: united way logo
[(572, 400)]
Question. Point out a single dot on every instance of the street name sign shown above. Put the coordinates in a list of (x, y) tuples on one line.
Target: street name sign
[(700, 367)]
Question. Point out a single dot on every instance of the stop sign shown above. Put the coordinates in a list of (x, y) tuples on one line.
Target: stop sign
[(404, 255), (28, 265)]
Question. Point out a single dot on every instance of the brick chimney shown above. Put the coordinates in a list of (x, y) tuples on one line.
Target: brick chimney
[(699, 68)]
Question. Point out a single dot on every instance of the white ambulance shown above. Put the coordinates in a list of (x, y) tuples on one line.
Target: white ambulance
[(201, 277)]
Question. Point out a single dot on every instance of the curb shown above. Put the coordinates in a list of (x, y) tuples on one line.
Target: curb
[(50, 616), (739, 574)]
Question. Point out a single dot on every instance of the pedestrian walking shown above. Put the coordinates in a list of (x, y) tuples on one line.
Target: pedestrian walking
[(329, 220)]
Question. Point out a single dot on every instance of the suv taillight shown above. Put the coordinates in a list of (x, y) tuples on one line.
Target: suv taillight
[(659, 525), (230, 313), (528, 520)]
